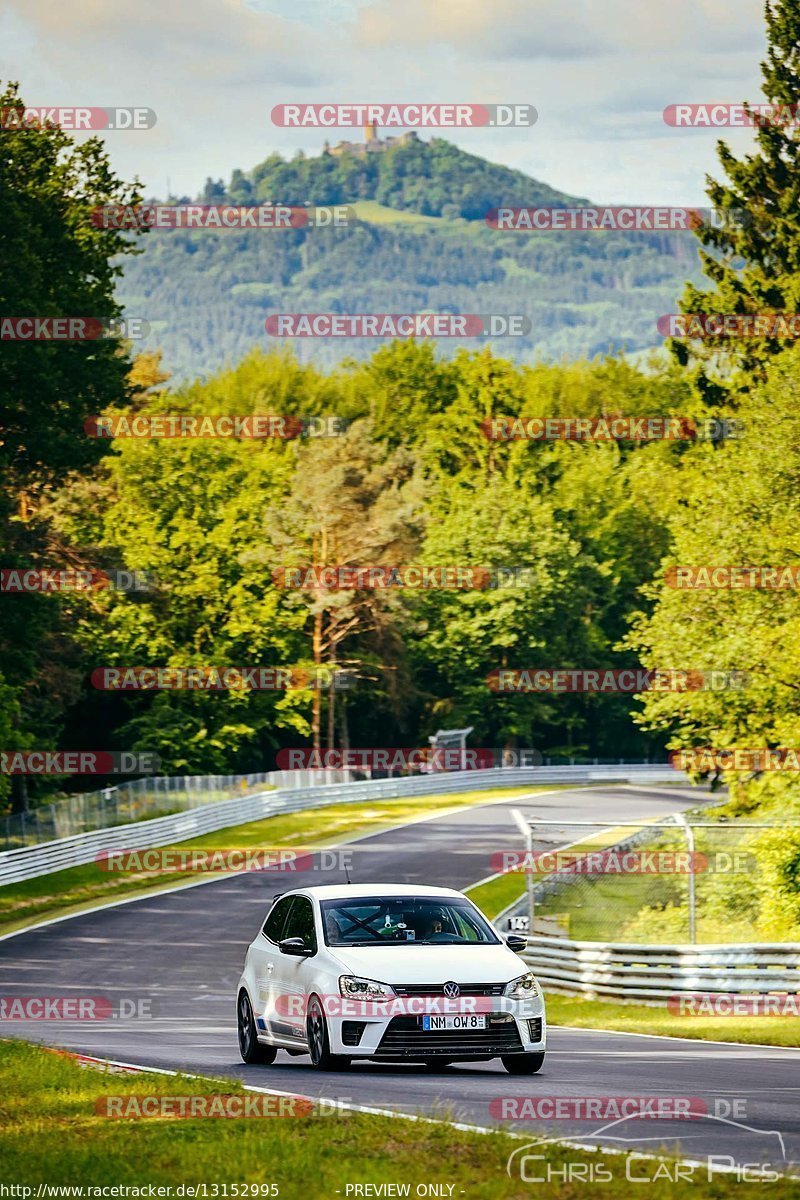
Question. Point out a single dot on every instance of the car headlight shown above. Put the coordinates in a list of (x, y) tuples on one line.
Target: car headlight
[(364, 989), (522, 988)]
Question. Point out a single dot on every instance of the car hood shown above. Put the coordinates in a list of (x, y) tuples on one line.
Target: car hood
[(431, 964)]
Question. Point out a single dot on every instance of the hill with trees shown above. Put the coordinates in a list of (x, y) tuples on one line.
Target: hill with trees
[(420, 242)]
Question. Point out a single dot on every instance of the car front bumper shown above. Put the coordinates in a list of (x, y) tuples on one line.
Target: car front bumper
[(516, 1028)]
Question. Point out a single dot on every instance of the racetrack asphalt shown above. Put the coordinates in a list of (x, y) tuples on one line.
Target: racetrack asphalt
[(182, 952)]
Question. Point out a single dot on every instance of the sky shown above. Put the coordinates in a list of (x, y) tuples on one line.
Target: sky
[(599, 72)]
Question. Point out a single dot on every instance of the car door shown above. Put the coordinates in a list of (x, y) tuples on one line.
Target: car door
[(291, 973), (265, 953)]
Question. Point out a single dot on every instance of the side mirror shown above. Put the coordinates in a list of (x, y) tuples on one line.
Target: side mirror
[(516, 942), (296, 947)]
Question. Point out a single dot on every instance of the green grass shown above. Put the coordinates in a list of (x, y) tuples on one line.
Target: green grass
[(497, 894), (618, 895), (68, 891), (580, 1013), (51, 1133), (380, 214)]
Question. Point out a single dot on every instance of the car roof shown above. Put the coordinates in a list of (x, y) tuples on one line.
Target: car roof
[(344, 891)]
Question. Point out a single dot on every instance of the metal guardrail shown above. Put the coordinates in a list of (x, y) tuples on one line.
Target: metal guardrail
[(142, 800), (32, 861), (651, 974)]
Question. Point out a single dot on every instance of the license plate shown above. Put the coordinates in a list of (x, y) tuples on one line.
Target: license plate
[(455, 1021)]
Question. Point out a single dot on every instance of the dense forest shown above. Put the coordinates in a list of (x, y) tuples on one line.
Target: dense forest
[(589, 532), (418, 241)]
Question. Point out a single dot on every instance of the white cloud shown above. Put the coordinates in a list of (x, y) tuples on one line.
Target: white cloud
[(599, 74)]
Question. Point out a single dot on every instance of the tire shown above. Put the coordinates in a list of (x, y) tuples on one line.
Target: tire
[(523, 1064), (251, 1050), (319, 1046)]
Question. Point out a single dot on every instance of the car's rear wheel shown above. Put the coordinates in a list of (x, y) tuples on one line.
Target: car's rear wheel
[(251, 1050), (319, 1045), (523, 1064)]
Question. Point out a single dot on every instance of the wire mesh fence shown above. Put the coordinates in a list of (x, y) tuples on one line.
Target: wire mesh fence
[(141, 799), (686, 879)]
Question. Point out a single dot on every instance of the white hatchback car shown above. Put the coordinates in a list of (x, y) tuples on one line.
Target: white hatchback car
[(391, 972)]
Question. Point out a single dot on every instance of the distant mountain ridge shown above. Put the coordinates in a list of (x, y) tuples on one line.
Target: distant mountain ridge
[(419, 243)]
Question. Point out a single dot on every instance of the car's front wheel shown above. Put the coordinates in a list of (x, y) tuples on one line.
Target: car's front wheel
[(319, 1045), (523, 1064), (251, 1050)]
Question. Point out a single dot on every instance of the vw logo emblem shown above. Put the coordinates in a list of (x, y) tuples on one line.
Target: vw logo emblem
[(451, 990)]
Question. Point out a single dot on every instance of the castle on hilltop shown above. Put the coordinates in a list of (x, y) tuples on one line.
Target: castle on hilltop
[(372, 144)]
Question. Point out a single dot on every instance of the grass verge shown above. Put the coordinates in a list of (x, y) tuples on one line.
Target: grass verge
[(52, 1134), (69, 891), (497, 894), (578, 1012)]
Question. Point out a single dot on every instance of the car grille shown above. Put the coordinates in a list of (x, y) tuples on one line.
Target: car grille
[(437, 989), (405, 1038)]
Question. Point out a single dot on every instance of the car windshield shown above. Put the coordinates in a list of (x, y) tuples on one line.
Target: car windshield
[(404, 920)]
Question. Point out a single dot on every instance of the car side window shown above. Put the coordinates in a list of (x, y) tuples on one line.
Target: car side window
[(273, 926), (301, 922)]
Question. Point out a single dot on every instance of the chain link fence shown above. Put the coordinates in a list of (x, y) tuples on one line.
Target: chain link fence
[(687, 879), (142, 799)]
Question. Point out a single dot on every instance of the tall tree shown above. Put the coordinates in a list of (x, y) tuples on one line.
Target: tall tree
[(353, 503), (54, 262), (751, 252), (741, 508)]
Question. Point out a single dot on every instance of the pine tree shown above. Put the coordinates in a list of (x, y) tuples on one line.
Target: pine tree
[(752, 249)]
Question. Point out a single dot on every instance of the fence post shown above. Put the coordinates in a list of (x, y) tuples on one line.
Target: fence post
[(681, 820), (527, 834)]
